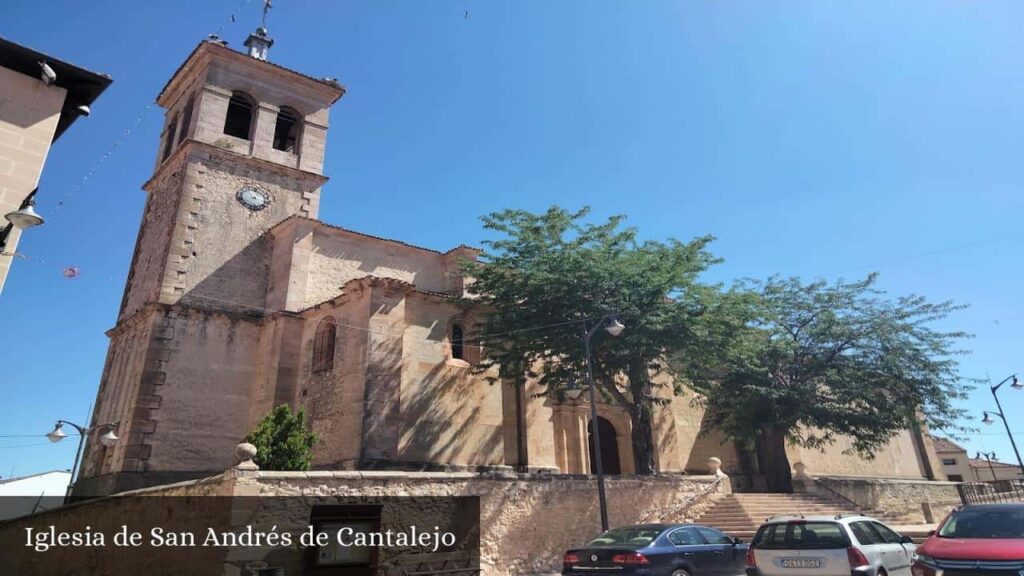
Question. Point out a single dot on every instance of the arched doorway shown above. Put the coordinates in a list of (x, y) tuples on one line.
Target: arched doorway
[(609, 447)]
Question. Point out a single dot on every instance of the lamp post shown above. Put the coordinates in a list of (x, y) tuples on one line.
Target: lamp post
[(989, 456), (108, 439), (1016, 385), (614, 327)]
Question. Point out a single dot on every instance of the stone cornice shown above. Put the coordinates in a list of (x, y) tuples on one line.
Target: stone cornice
[(188, 145), (135, 317)]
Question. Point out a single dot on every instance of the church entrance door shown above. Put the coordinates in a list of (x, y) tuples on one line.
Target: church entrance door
[(609, 447)]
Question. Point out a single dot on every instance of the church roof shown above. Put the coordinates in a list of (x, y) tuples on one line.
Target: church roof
[(323, 224), (220, 46)]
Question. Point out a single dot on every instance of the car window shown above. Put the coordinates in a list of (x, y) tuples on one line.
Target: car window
[(865, 534), (685, 537), (995, 522), (886, 533), (630, 536), (801, 534), (714, 536), (770, 536)]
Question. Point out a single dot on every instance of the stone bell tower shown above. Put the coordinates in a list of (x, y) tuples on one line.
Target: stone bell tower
[(242, 149)]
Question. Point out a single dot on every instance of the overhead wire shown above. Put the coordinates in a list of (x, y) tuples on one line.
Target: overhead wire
[(127, 133)]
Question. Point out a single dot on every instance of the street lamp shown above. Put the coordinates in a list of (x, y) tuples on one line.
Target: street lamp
[(990, 456), (573, 390), (613, 326), (22, 218), (107, 439), (1016, 385)]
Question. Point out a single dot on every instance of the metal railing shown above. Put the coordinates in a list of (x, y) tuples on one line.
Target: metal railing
[(1000, 491)]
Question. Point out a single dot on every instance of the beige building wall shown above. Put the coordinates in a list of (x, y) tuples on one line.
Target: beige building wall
[(955, 465), (982, 472), (899, 459), (447, 413), (29, 111)]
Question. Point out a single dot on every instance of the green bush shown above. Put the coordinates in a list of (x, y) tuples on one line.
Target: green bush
[(283, 440)]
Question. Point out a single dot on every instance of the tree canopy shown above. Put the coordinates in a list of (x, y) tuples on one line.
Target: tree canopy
[(548, 277), (812, 361)]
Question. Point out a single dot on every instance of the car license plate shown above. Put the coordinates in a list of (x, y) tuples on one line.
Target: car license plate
[(801, 563)]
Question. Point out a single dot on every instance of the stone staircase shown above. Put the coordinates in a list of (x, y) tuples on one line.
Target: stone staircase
[(741, 514)]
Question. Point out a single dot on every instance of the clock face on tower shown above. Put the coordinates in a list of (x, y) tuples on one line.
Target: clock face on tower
[(252, 198)]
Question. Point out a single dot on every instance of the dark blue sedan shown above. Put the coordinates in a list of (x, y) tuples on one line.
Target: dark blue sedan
[(659, 550)]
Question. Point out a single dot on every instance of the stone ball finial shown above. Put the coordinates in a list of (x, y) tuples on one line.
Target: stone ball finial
[(715, 466), (244, 454), (801, 470)]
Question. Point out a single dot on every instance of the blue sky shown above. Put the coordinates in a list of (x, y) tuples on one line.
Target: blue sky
[(812, 138)]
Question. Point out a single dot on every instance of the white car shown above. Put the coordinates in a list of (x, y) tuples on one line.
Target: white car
[(828, 546)]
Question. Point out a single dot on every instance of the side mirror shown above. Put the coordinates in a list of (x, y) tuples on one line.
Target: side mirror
[(906, 540), (737, 541), (931, 532)]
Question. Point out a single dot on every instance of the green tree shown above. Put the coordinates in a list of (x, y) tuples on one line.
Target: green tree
[(816, 360), (283, 440), (549, 276)]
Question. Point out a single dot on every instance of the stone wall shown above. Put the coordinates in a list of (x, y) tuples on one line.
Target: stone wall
[(338, 256), (898, 459), (898, 496), (447, 414), (527, 522)]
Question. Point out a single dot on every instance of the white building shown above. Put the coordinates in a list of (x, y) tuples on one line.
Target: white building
[(34, 493)]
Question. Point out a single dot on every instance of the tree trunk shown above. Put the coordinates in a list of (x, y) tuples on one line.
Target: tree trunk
[(643, 439), (642, 417), (521, 454), (774, 463)]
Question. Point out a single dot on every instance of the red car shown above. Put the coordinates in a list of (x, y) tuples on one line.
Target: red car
[(983, 539)]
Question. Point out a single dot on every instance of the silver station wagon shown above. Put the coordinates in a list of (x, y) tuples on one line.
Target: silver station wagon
[(828, 546)]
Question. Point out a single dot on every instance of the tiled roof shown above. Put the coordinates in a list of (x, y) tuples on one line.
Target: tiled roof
[(946, 445), (363, 234), (977, 463)]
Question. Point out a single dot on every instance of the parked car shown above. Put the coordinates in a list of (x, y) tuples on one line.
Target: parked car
[(659, 550), (977, 539), (829, 546)]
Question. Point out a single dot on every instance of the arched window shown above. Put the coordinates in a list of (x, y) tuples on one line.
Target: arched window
[(458, 350), (186, 116), (169, 142), (286, 130), (323, 345), (238, 122)]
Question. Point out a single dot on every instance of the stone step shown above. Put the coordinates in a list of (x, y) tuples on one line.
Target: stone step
[(774, 494), (784, 504), (741, 514), (763, 513)]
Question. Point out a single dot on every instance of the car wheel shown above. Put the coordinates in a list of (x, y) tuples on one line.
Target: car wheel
[(680, 572)]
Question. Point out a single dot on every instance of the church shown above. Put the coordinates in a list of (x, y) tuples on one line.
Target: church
[(239, 299)]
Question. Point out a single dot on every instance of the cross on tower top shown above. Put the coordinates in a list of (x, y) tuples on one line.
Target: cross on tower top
[(266, 8), (259, 42)]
